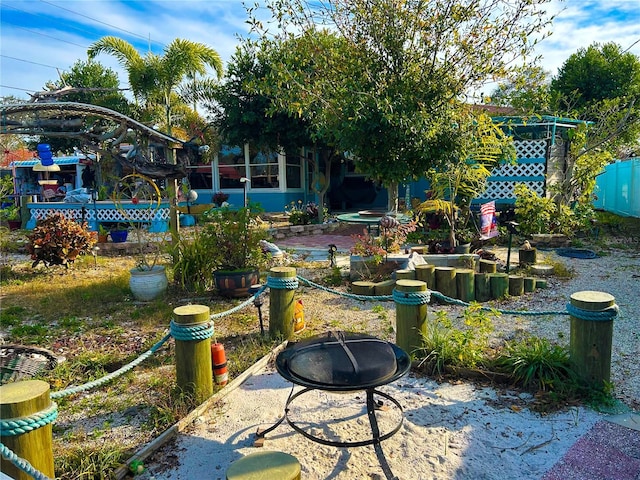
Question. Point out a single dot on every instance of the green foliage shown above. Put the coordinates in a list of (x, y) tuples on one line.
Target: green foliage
[(445, 345), (10, 213), (89, 462), (300, 214), (527, 91), (383, 87), (6, 187), (233, 238), (193, 263), (57, 240), (536, 363), (534, 213)]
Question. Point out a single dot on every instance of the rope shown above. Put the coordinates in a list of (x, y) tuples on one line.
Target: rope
[(455, 301), (112, 375), (200, 331), (600, 316), (238, 307), (373, 298), (18, 426), (411, 298), (282, 283), (22, 464)]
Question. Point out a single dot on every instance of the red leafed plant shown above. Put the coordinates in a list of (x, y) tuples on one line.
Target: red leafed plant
[(57, 240)]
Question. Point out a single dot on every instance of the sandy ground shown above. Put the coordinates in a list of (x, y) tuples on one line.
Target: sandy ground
[(449, 431)]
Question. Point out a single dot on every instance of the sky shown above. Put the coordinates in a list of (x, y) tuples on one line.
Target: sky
[(40, 38)]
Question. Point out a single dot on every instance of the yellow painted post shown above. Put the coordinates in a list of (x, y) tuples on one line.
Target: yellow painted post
[(281, 301), (411, 317), (591, 339), (17, 401), (194, 372)]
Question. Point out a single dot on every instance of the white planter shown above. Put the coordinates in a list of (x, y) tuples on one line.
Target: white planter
[(148, 285)]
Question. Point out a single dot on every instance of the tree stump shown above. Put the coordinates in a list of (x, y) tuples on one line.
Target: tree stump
[(426, 273), (499, 285), (541, 283), (363, 288), (446, 281), (483, 287), (465, 284), (516, 285), (487, 266)]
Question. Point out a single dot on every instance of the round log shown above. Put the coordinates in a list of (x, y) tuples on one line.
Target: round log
[(419, 249), (499, 285), (483, 287), (281, 305), (194, 372), (411, 320), (527, 257), (446, 281), (541, 283), (426, 273), (24, 399), (590, 341), (384, 288), (405, 274), (516, 285), (363, 288), (465, 284), (529, 284), (487, 266)]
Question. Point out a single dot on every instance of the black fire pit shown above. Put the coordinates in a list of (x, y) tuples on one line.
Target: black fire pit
[(344, 362)]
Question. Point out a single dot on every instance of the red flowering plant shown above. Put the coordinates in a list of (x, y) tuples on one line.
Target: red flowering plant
[(367, 246), (57, 240)]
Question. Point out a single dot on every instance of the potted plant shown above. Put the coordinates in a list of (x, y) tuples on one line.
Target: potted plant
[(148, 280), (103, 234), (219, 198), (233, 238), (119, 232), (11, 215)]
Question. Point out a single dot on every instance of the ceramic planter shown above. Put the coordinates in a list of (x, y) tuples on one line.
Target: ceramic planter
[(236, 283), (148, 284), (119, 236)]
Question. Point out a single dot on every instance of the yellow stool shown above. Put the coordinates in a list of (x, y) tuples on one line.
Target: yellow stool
[(265, 466)]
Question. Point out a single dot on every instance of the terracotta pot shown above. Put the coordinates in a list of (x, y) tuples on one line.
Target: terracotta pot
[(103, 238), (14, 224)]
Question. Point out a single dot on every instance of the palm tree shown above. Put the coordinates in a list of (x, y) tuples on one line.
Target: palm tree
[(154, 78)]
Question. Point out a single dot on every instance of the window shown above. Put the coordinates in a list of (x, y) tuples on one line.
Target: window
[(200, 177), (294, 170), (231, 166), (264, 169)]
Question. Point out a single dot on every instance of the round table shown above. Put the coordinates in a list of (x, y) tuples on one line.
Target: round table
[(369, 220)]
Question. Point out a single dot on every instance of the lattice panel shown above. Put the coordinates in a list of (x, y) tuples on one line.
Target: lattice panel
[(530, 148), (103, 214), (504, 190), (519, 170)]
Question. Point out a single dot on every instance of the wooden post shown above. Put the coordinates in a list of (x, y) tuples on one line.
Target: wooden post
[(362, 288), (487, 266), (384, 288), (483, 287), (411, 319), (527, 257), (516, 285), (405, 275), (194, 373), (590, 341), (465, 284), (281, 304), (426, 273), (446, 281), (529, 284), (24, 399), (499, 285)]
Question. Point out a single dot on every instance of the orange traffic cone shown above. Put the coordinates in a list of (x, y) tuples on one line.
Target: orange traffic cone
[(298, 317), (219, 360)]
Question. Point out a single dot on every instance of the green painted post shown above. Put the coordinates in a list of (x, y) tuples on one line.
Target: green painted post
[(411, 320)]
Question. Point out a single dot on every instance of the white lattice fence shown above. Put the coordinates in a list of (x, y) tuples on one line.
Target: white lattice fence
[(531, 148), (102, 214)]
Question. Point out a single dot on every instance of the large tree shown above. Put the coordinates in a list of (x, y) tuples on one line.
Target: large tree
[(154, 79), (386, 76)]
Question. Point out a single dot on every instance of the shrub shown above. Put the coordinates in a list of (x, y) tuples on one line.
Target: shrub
[(57, 240)]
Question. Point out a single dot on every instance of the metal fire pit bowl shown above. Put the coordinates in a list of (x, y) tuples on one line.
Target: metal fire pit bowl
[(343, 362)]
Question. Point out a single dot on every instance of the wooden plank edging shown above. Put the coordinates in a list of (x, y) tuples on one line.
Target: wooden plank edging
[(173, 431)]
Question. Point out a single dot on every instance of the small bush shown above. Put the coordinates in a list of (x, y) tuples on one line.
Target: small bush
[(57, 240)]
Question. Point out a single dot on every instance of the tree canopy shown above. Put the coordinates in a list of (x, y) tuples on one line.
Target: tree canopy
[(385, 78)]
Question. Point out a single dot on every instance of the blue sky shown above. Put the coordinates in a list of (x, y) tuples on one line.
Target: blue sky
[(38, 38)]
